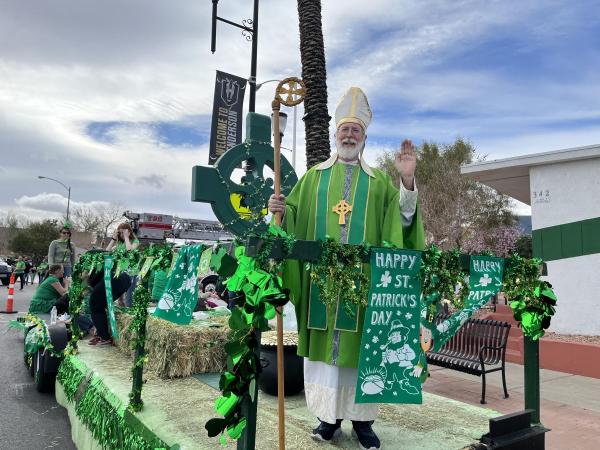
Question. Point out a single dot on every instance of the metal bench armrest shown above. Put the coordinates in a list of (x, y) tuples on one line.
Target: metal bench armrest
[(491, 347)]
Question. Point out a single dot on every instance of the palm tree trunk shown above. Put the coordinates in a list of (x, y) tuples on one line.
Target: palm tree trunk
[(312, 55)]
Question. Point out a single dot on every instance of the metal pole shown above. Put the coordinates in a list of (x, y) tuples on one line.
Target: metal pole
[(532, 377), (68, 202), (213, 35), (252, 100), (294, 139)]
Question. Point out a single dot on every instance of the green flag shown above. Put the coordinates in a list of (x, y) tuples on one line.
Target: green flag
[(390, 353), (179, 299)]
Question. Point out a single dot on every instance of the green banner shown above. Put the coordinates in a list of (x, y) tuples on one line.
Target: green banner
[(485, 281), (179, 299), (389, 368), (108, 263)]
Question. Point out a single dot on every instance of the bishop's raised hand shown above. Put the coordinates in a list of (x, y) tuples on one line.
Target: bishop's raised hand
[(406, 163)]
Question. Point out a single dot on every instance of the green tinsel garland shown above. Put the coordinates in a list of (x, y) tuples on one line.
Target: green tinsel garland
[(139, 310), (339, 272), (70, 375), (100, 411)]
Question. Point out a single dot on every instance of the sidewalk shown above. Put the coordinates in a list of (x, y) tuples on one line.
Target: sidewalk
[(570, 404)]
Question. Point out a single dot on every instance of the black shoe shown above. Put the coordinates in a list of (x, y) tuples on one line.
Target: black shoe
[(327, 432), (367, 439)]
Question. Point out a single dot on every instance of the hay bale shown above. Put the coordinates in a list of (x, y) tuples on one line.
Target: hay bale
[(176, 351), (269, 338)]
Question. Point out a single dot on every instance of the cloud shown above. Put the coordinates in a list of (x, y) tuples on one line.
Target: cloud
[(55, 203), (154, 180)]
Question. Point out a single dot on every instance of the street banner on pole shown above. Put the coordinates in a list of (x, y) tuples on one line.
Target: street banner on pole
[(389, 365), (228, 103)]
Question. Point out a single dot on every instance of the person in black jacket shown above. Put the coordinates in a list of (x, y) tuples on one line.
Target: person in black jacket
[(98, 304)]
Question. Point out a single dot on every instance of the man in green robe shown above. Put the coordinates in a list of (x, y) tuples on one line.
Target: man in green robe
[(345, 199)]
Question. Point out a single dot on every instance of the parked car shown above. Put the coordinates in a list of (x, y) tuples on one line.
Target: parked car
[(5, 271)]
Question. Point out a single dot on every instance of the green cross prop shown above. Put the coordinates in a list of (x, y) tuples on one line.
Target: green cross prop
[(214, 184)]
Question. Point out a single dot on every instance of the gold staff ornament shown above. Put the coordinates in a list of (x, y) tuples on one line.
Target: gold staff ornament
[(290, 91)]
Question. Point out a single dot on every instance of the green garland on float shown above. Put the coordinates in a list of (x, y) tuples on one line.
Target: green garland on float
[(99, 410), (93, 261), (87, 264), (531, 299), (161, 260), (37, 337), (260, 290), (440, 273), (340, 271), (139, 310)]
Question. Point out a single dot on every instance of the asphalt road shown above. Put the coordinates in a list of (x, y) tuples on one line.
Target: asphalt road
[(28, 420)]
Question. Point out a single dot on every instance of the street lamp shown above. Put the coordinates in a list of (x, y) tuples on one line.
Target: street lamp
[(283, 123), (68, 188)]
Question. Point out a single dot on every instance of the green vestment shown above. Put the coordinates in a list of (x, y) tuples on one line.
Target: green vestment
[(382, 223)]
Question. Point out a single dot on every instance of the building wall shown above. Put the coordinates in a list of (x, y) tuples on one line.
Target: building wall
[(560, 194)]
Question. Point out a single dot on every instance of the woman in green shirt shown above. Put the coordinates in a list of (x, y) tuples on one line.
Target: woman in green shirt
[(62, 251), (48, 292), (20, 270)]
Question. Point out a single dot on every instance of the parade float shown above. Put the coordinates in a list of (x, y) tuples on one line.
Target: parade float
[(174, 381)]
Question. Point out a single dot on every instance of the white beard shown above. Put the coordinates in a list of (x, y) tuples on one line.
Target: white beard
[(349, 152)]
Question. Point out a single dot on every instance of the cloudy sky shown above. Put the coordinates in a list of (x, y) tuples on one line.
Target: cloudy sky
[(114, 97)]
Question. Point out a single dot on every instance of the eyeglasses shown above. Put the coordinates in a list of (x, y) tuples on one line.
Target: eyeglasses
[(65, 232)]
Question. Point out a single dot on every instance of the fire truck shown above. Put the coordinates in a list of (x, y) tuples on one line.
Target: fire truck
[(152, 227)]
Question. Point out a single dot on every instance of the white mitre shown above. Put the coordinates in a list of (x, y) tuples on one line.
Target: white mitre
[(354, 107)]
